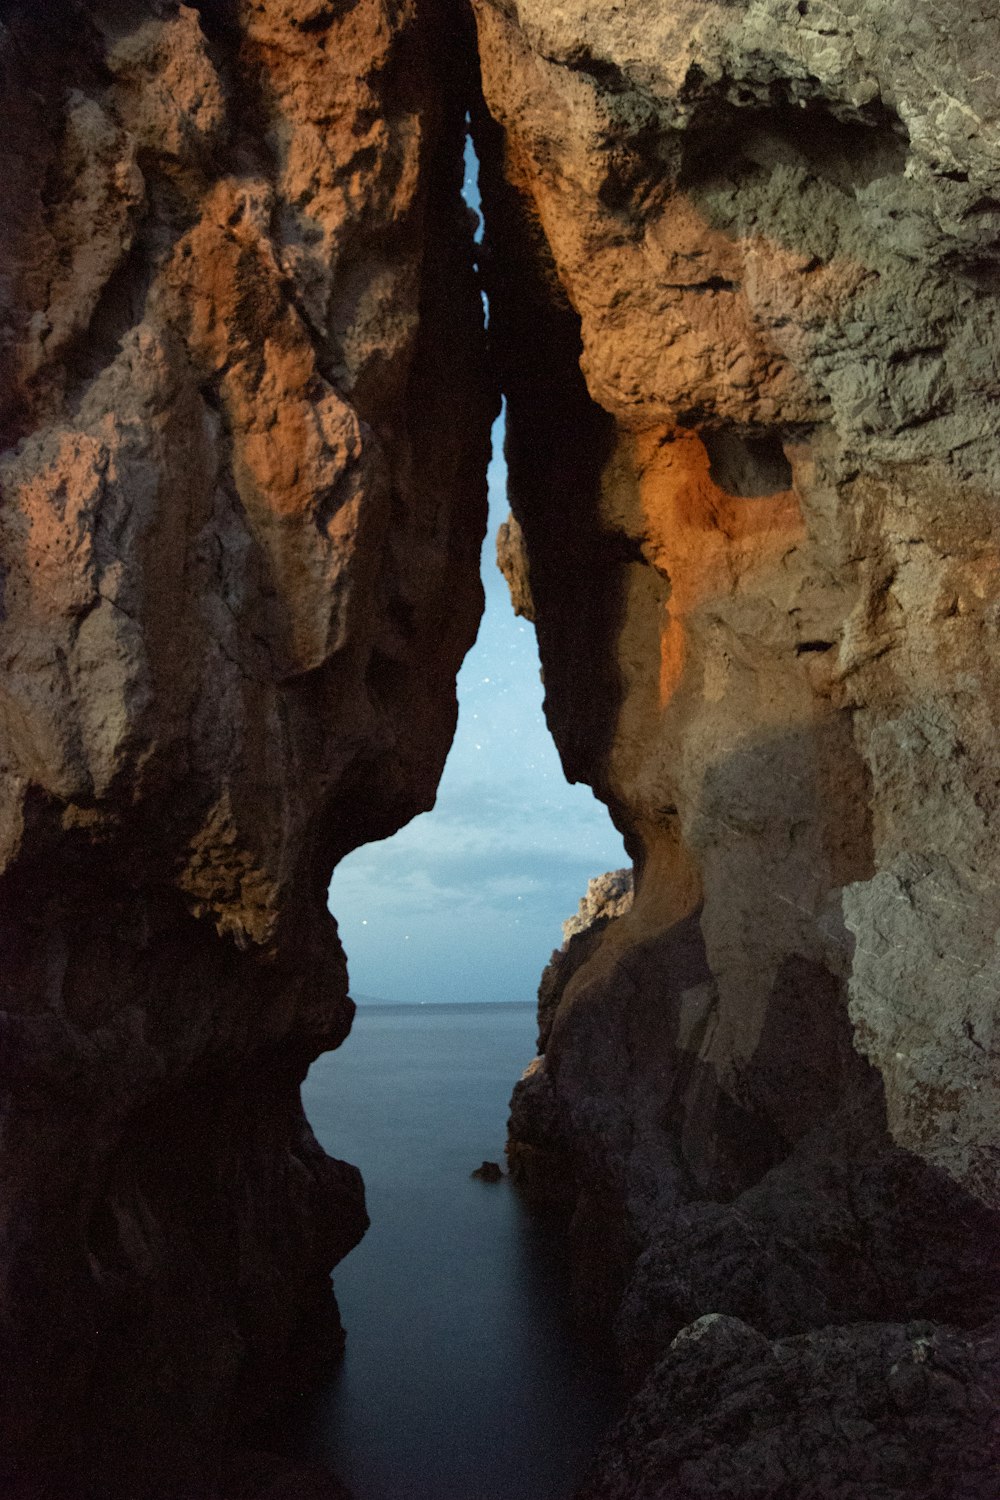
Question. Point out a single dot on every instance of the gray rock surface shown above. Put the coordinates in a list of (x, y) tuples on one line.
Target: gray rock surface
[(607, 897), (745, 295), (875, 1411), (745, 301)]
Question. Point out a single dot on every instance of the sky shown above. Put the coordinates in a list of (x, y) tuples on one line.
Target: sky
[(467, 902)]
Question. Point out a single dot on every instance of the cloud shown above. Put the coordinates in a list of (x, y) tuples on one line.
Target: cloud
[(461, 881)]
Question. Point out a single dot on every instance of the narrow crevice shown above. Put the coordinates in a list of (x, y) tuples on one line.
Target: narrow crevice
[(557, 445)]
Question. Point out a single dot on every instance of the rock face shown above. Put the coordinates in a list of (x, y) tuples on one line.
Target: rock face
[(538, 1160), (745, 301), (745, 297), (607, 897), (245, 429), (899, 1412)]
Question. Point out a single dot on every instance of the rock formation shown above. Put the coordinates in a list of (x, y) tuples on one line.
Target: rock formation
[(847, 1414), (245, 429), (745, 298), (537, 1160)]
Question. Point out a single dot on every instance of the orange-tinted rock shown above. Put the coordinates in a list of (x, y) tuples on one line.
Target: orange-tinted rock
[(245, 436), (744, 295)]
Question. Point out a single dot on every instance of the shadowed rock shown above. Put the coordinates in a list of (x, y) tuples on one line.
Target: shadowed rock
[(742, 270), (245, 431), (880, 1409)]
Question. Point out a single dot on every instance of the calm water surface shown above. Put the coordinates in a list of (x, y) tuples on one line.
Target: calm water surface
[(461, 1379)]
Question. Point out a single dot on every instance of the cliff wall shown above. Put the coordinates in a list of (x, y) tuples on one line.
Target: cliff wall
[(744, 279), (245, 431), (745, 294)]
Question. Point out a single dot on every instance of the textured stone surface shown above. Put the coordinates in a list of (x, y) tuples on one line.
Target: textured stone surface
[(512, 560), (745, 299), (540, 1151), (607, 897), (868, 1412), (245, 428), (745, 295)]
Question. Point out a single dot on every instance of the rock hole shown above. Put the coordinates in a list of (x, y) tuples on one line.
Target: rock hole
[(747, 466), (798, 132), (624, 548), (321, 20)]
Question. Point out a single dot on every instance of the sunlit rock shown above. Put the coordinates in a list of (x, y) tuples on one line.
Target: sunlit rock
[(245, 433), (745, 296), (744, 304)]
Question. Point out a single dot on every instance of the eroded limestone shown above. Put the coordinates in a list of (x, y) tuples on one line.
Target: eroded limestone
[(245, 435), (745, 300)]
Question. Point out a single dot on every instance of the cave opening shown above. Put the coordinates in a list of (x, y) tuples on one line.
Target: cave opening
[(463, 1373)]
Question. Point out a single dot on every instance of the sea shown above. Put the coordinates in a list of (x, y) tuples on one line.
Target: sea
[(462, 1378)]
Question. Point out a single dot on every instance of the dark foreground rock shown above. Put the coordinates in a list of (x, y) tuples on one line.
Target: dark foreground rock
[(875, 1411), (263, 1476)]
